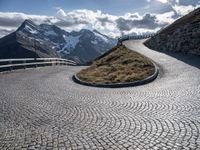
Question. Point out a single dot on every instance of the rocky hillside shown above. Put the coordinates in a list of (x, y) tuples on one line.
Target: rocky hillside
[(31, 40), (181, 36), (23, 44)]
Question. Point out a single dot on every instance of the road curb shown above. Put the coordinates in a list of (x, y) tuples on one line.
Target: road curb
[(120, 85)]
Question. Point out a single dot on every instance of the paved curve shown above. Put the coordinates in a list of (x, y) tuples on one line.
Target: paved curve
[(44, 109)]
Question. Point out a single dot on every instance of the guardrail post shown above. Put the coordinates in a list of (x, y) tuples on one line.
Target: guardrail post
[(24, 64), (57, 62), (10, 62), (35, 60)]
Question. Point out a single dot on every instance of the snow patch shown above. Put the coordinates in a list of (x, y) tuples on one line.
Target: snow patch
[(71, 42), (94, 42), (101, 37), (30, 29)]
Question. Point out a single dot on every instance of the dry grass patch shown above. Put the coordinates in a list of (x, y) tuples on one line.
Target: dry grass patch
[(119, 65)]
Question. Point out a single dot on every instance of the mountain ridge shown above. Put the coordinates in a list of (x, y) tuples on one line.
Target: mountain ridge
[(45, 40)]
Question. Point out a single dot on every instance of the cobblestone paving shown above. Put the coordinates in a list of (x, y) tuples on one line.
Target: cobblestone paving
[(44, 109)]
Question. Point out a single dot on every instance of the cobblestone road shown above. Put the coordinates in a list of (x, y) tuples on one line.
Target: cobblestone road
[(44, 109)]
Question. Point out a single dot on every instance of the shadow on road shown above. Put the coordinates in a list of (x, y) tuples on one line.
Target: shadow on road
[(187, 58)]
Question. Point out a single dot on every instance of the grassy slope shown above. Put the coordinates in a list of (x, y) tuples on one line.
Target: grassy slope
[(119, 65)]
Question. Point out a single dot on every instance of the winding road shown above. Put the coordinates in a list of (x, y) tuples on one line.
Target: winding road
[(43, 108)]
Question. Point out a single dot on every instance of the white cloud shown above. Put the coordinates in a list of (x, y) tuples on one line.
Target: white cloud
[(136, 31), (183, 10), (13, 19), (4, 31), (75, 20), (166, 18), (78, 19), (175, 6), (61, 13), (110, 25), (166, 1), (163, 1)]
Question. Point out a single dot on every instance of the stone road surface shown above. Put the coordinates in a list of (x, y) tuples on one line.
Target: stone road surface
[(44, 109)]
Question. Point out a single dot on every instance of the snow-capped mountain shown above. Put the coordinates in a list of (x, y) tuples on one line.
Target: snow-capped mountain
[(31, 40), (85, 45)]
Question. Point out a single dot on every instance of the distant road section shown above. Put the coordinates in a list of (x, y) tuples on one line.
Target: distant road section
[(43, 108)]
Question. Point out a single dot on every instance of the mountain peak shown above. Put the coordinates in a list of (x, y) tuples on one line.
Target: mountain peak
[(84, 30), (81, 46), (96, 31), (28, 21), (29, 24)]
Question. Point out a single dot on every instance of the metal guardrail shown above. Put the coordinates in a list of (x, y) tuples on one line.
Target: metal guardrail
[(13, 64), (134, 37)]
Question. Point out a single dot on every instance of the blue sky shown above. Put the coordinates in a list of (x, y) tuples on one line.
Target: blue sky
[(48, 7), (112, 17), (114, 7)]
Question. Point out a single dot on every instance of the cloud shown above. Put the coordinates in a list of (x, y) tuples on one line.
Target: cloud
[(148, 21), (178, 6), (10, 21), (61, 13), (4, 32), (163, 1), (140, 31), (104, 20), (110, 25), (13, 19), (71, 18), (165, 18), (166, 1), (78, 19), (183, 10)]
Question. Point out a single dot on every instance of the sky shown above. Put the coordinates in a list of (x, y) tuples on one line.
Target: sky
[(111, 17)]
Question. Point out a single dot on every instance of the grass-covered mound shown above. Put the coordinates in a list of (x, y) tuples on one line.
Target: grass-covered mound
[(119, 65)]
